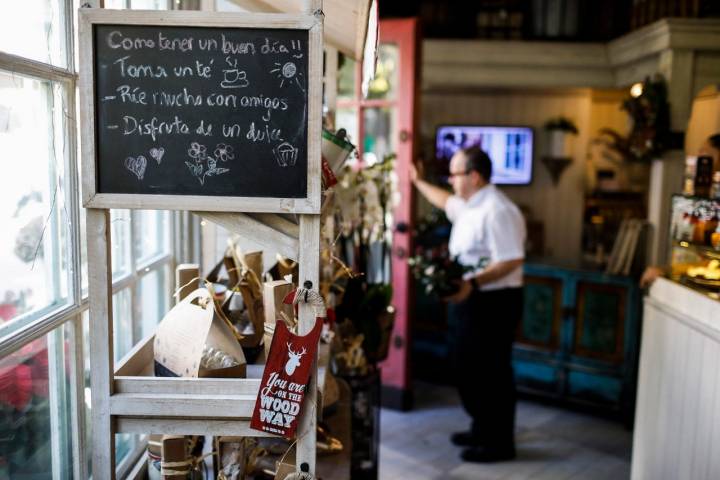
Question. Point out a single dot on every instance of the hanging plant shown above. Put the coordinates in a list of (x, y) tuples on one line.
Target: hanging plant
[(562, 124), (649, 136)]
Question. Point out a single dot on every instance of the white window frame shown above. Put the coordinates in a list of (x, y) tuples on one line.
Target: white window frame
[(183, 242)]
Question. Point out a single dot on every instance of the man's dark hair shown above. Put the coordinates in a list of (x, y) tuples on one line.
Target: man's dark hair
[(478, 161), (714, 140)]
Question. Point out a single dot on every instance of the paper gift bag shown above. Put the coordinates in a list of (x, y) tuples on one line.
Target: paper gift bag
[(273, 294), (183, 334), (335, 149), (175, 458)]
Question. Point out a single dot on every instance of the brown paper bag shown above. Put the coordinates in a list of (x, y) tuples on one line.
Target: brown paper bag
[(175, 463), (273, 294), (184, 332)]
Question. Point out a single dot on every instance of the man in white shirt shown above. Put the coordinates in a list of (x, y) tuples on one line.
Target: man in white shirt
[(486, 310)]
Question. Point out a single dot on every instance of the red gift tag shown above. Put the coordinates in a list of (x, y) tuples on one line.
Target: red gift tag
[(329, 178), (284, 380)]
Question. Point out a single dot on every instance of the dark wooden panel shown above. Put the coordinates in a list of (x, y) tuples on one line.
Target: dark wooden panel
[(600, 321), (542, 312)]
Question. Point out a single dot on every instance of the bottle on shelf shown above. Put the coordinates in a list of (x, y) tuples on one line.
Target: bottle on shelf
[(715, 187), (715, 238)]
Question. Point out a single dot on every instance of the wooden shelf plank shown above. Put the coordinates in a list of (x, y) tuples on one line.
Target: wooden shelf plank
[(190, 386), (187, 426), (188, 406), (274, 237)]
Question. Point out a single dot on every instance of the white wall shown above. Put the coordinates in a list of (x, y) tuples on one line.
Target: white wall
[(559, 207), (704, 119)]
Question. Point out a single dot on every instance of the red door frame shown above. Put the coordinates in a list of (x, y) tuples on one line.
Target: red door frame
[(396, 378), (396, 370)]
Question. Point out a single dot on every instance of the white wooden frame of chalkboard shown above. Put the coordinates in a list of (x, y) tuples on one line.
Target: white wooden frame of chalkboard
[(123, 402), (311, 204)]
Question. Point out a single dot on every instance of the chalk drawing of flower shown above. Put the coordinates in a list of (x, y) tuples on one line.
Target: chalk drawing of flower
[(224, 152), (204, 165), (196, 171), (197, 151)]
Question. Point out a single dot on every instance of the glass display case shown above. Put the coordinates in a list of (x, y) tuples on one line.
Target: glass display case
[(695, 242)]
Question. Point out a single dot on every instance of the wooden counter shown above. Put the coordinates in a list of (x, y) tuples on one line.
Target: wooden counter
[(677, 420)]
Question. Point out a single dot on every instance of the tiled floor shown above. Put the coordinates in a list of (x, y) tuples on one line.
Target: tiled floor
[(552, 443)]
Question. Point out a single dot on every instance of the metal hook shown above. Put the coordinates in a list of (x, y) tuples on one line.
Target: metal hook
[(308, 285)]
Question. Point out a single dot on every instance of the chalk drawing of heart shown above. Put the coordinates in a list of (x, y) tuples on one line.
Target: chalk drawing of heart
[(157, 154), (136, 166)]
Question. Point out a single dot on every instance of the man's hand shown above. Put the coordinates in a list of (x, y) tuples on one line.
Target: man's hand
[(463, 294), (416, 172), (437, 196), (649, 276)]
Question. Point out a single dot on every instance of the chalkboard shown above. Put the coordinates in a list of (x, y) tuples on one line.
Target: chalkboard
[(209, 111)]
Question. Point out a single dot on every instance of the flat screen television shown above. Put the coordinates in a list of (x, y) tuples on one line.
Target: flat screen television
[(509, 148)]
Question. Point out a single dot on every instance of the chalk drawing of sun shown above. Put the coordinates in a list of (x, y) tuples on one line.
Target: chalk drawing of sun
[(287, 73)]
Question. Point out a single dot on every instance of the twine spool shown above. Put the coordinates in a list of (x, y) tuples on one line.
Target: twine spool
[(300, 476)]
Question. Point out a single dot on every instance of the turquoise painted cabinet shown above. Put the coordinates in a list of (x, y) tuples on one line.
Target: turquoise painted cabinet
[(579, 337)]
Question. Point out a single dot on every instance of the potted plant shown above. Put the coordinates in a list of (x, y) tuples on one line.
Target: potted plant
[(650, 134), (559, 129), (558, 155)]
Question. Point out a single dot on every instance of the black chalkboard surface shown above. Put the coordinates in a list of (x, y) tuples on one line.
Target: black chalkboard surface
[(201, 111)]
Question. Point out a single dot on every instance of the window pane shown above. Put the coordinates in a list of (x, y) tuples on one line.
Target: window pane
[(124, 443), (120, 238), (346, 77), (87, 398), (34, 29), (116, 4), (149, 4), (122, 323), (384, 85), (33, 248), (35, 410), (154, 298), (151, 229), (380, 134)]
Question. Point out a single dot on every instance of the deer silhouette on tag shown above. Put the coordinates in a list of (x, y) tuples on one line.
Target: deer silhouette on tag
[(293, 360), (284, 380)]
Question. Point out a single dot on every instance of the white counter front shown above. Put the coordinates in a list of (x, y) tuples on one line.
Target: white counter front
[(677, 417)]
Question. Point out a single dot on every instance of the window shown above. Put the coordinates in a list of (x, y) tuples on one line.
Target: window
[(36, 408), (34, 210), (44, 369), (372, 124), (36, 31)]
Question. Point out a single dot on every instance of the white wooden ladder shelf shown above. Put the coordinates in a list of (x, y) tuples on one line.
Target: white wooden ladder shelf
[(129, 399)]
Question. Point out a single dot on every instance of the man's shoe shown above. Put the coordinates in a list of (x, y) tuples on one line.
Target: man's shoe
[(487, 455), (465, 439)]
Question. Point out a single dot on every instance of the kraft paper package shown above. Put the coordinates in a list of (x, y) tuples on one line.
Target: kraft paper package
[(184, 334)]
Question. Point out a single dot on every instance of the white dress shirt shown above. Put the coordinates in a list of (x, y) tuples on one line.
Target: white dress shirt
[(487, 225)]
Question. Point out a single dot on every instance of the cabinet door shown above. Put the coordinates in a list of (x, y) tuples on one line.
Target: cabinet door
[(600, 322), (537, 341), (542, 314)]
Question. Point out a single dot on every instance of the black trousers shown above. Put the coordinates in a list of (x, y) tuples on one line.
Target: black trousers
[(482, 330)]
